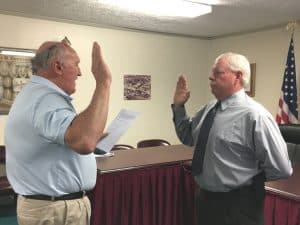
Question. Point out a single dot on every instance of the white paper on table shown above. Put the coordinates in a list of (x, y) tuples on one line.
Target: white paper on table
[(117, 128), (107, 154)]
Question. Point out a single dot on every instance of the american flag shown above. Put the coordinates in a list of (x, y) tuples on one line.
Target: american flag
[(288, 105)]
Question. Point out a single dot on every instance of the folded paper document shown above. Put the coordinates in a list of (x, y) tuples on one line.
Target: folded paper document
[(116, 129)]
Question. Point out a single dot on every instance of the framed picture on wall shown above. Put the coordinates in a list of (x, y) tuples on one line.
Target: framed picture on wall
[(15, 71), (250, 89), (137, 87)]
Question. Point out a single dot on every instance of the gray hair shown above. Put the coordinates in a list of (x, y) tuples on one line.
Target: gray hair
[(44, 57), (237, 62)]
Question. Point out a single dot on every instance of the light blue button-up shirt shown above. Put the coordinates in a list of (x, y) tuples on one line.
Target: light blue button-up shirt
[(37, 159), (244, 140)]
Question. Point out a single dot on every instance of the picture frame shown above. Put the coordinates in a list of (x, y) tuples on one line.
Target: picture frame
[(250, 88), (137, 87), (15, 71)]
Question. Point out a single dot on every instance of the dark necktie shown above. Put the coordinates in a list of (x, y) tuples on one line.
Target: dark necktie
[(199, 151)]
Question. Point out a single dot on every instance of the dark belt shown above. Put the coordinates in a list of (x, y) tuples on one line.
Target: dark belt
[(71, 196), (241, 190), (257, 187)]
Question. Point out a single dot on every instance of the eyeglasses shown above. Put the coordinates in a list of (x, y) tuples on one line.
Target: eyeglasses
[(218, 72)]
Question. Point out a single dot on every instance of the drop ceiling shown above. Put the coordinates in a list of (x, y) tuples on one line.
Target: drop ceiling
[(229, 17)]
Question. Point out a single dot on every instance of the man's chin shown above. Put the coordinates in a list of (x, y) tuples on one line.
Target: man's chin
[(214, 93), (212, 90), (71, 92)]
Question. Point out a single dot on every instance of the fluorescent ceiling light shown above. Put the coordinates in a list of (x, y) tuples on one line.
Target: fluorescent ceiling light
[(168, 8), (207, 2), (17, 53)]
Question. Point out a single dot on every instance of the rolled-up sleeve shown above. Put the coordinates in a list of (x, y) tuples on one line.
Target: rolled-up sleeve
[(52, 117)]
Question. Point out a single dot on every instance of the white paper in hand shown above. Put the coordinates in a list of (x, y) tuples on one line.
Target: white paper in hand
[(117, 128)]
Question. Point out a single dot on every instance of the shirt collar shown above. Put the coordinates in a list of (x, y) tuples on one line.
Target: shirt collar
[(43, 81), (236, 97)]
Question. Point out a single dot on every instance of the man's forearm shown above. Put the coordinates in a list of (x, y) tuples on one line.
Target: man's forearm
[(88, 127)]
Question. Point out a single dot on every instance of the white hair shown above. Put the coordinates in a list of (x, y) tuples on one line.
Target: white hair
[(237, 63)]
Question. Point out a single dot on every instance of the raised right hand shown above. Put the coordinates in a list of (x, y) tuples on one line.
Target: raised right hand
[(182, 93), (100, 69)]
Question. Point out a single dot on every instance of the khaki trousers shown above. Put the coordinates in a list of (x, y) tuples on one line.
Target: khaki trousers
[(40, 212)]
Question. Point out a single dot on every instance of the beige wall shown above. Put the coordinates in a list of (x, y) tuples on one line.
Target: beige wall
[(161, 56), (268, 50)]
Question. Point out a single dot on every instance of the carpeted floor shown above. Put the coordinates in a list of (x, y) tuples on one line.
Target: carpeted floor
[(8, 213), (9, 220)]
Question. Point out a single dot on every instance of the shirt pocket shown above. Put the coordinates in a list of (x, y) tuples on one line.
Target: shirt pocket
[(236, 139)]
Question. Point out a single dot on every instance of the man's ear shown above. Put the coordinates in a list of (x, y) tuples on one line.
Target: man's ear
[(239, 75), (57, 67)]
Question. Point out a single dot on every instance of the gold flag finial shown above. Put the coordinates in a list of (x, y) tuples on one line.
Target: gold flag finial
[(291, 26)]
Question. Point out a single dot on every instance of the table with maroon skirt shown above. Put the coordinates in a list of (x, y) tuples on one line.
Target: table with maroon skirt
[(152, 186), (282, 203)]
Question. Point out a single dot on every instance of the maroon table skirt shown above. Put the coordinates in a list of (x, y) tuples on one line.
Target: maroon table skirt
[(281, 211), (164, 195), (161, 195)]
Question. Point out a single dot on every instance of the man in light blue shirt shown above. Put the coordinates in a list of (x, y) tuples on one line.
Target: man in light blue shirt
[(49, 147), (243, 149)]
